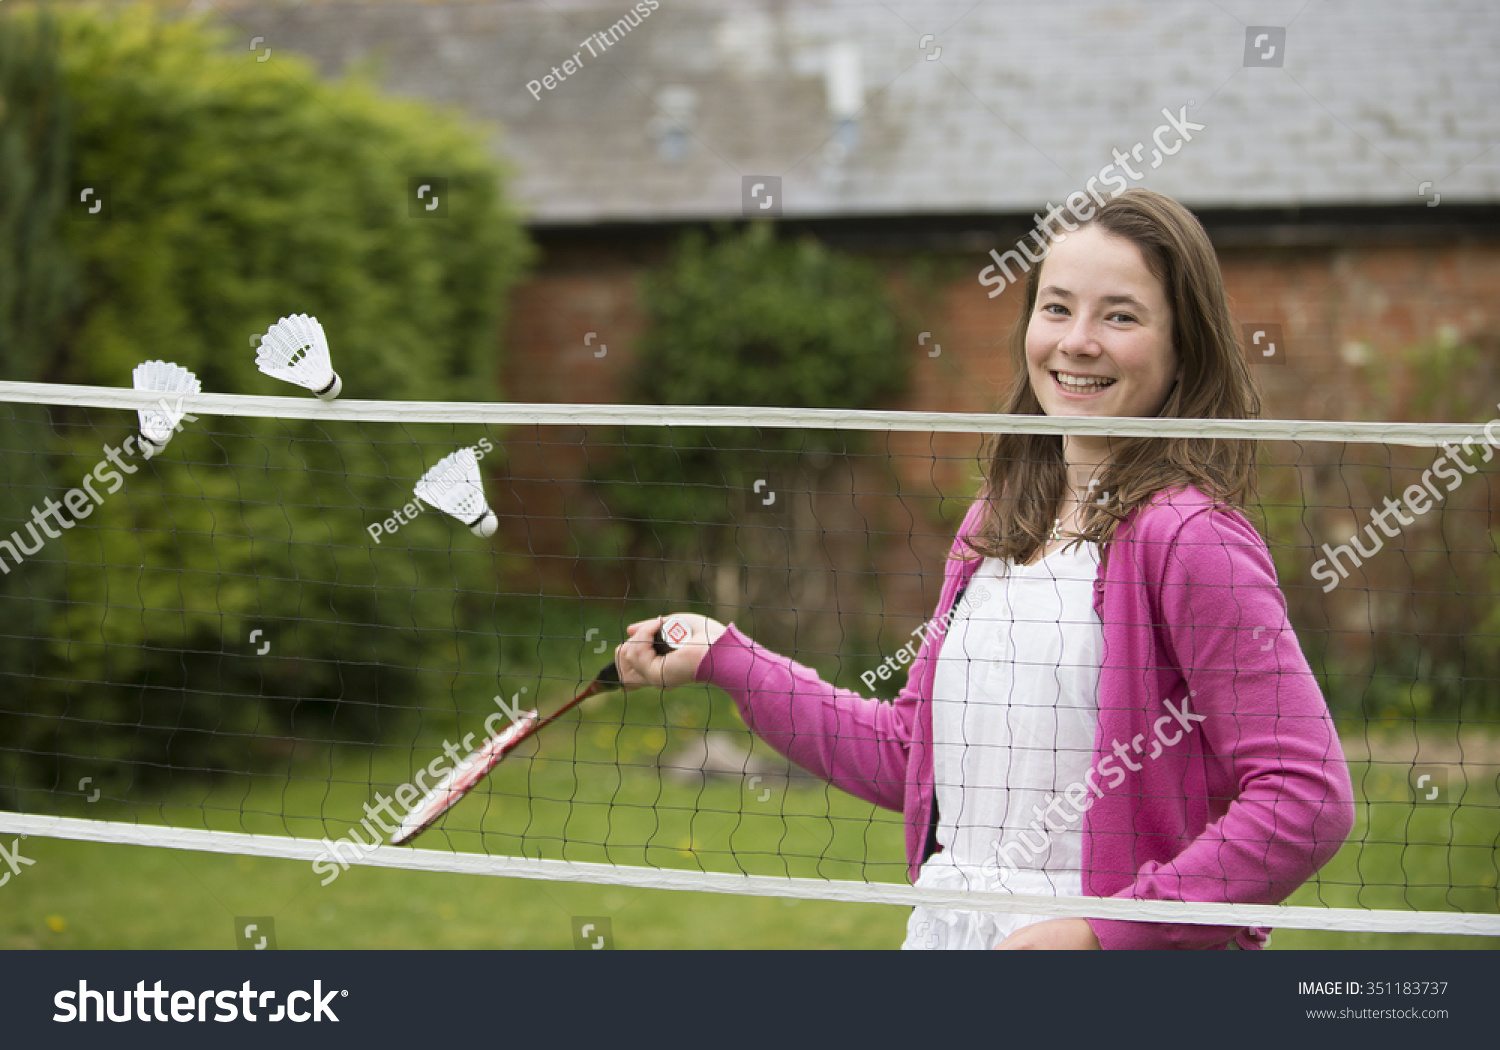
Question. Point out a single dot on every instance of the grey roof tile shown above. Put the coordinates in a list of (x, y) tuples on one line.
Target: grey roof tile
[(1025, 102)]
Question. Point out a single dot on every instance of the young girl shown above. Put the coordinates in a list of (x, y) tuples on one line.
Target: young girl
[(1109, 699)]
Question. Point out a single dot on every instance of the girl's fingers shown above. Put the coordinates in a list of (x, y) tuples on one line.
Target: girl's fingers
[(640, 664), (633, 656), (622, 665)]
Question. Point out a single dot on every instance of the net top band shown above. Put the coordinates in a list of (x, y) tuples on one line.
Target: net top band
[(1419, 435)]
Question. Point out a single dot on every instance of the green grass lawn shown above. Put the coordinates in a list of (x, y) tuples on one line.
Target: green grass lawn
[(588, 790), (593, 791), (1404, 855), (83, 895)]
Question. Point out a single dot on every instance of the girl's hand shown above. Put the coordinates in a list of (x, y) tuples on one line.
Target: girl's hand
[(639, 664), (1054, 934)]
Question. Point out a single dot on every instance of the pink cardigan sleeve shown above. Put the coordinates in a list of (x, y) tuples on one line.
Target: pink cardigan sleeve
[(872, 749), (857, 744), (1268, 741)]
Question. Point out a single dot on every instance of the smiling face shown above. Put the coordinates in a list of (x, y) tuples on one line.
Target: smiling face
[(1099, 340)]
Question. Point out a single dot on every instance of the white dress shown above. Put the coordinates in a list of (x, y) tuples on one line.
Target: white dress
[(1014, 710)]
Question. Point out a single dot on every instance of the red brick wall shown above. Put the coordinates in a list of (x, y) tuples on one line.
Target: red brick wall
[(1388, 298)]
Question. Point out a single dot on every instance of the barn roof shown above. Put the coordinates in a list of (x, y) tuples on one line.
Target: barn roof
[(875, 109)]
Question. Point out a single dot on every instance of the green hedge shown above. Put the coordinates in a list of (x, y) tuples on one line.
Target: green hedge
[(236, 192), (745, 319)]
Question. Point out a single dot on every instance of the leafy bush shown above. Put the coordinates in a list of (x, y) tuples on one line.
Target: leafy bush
[(749, 320), (746, 319), (38, 277), (1414, 632), (235, 194)]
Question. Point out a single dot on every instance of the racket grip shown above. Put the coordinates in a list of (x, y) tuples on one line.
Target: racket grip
[(672, 627)]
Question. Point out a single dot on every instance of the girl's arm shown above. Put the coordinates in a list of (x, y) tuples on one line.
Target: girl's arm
[(854, 743), (861, 745), (857, 744), (1222, 620)]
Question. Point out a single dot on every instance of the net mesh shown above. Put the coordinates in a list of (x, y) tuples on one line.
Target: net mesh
[(261, 632)]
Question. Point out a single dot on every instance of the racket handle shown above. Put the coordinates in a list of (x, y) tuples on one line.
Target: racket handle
[(672, 627), (607, 678)]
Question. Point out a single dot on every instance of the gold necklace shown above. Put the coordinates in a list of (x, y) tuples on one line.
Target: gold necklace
[(1057, 536)]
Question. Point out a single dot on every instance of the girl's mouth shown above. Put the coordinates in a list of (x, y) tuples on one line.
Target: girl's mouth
[(1081, 385)]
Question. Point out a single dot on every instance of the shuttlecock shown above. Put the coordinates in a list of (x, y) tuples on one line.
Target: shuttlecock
[(172, 382), (295, 350), (453, 487)]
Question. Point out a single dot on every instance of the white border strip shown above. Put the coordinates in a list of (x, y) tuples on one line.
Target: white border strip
[(1420, 435), (1274, 916)]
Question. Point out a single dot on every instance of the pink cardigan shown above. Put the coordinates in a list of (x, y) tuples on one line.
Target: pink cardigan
[(1243, 808)]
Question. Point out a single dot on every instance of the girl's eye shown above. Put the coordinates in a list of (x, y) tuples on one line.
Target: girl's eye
[(1051, 306), (1125, 316)]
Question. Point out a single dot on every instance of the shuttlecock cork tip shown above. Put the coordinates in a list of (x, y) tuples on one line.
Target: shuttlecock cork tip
[(485, 527), (331, 391)]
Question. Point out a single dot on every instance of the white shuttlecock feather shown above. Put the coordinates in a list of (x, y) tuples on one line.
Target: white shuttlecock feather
[(172, 382), (295, 350), (453, 486)]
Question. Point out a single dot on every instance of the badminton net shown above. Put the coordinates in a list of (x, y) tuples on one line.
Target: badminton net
[(256, 635)]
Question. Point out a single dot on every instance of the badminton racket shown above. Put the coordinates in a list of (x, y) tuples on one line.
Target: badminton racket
[(463, 777)]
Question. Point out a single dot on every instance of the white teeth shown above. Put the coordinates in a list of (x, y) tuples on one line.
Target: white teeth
[(1073, 383)]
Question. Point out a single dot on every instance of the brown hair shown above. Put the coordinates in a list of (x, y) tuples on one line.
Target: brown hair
[(1025, 473)]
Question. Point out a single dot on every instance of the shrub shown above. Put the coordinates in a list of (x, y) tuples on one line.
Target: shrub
[(234, 195), (746, 319)]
